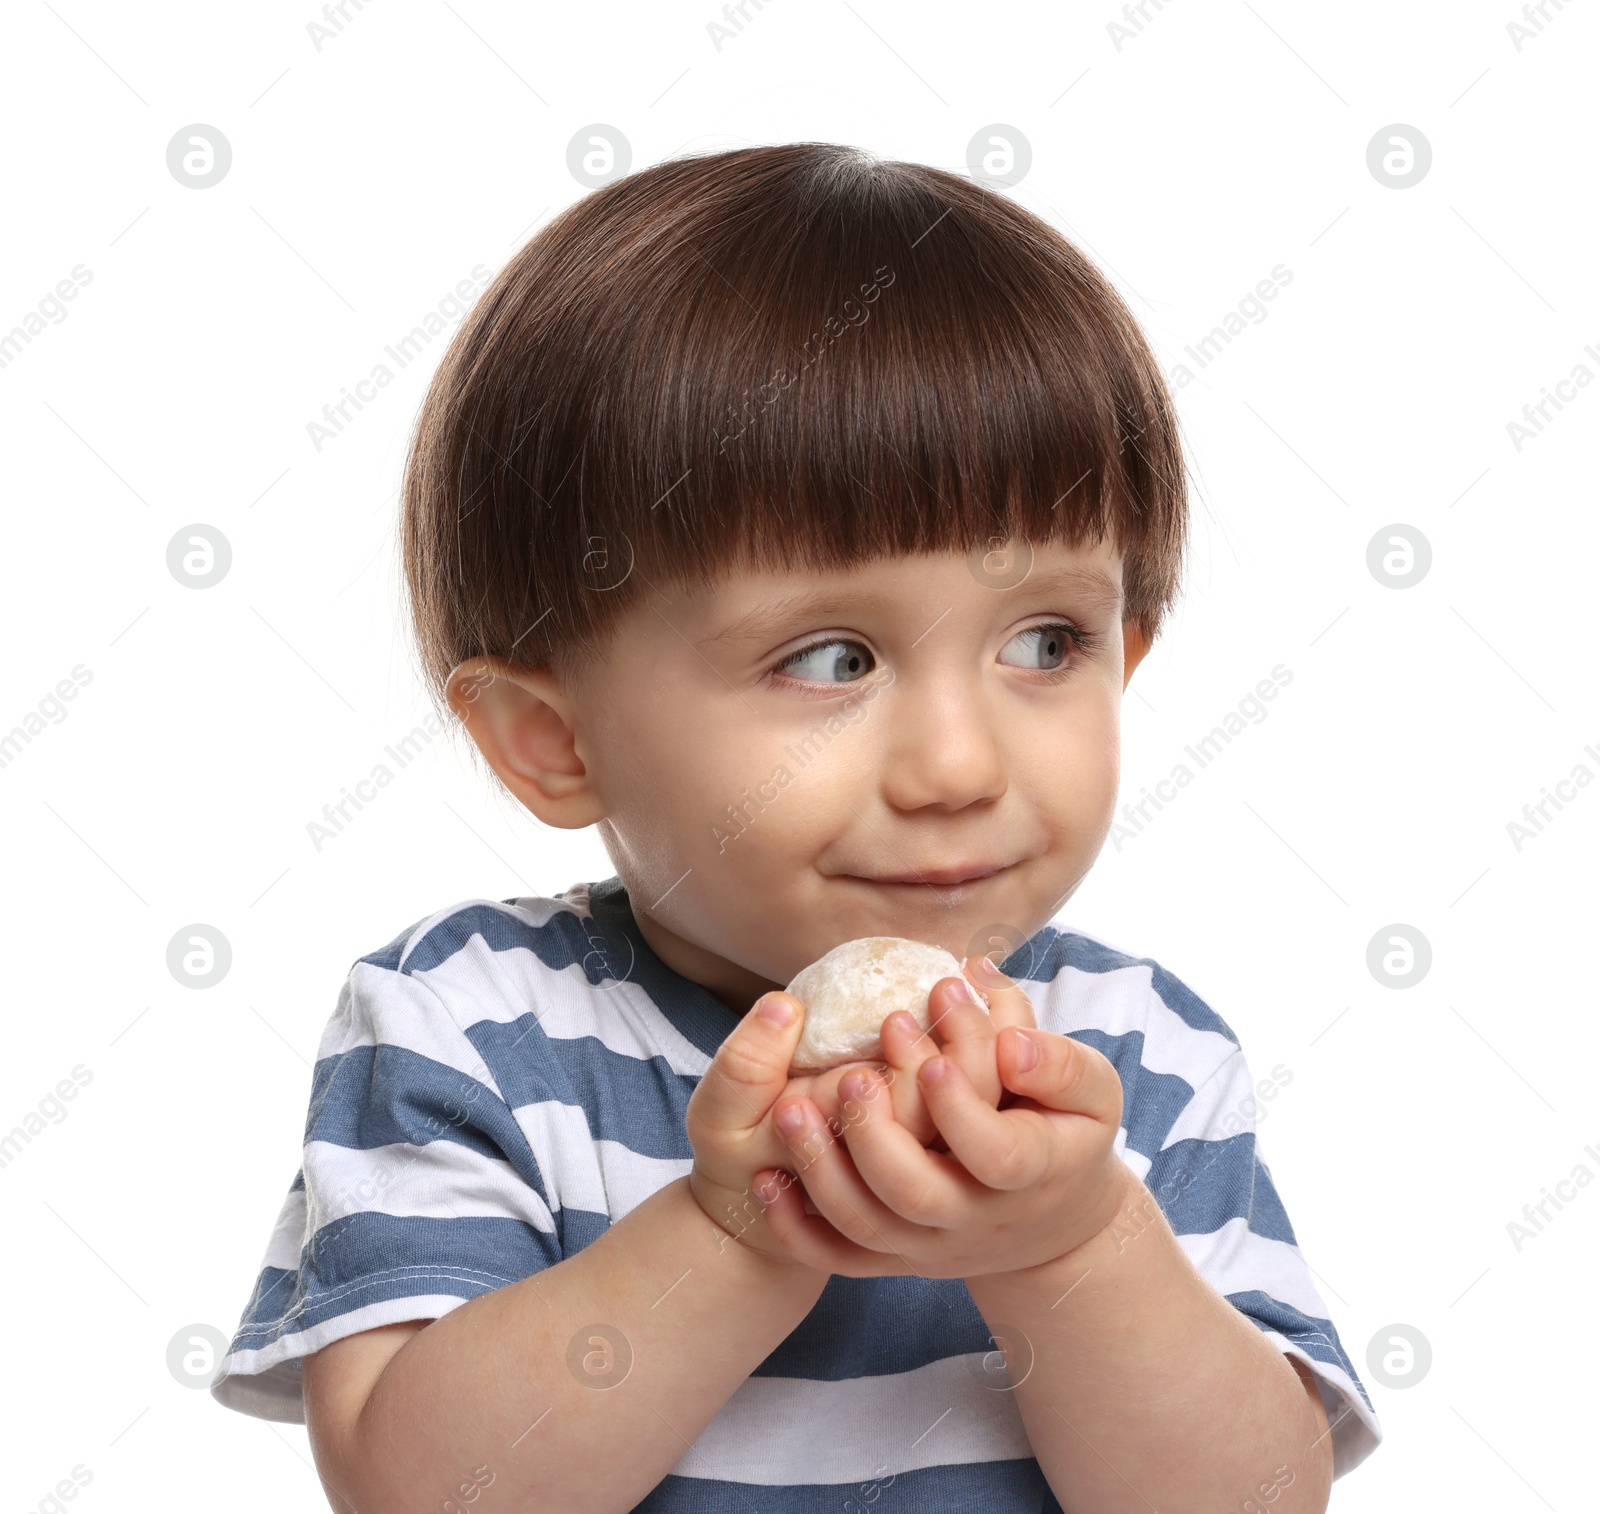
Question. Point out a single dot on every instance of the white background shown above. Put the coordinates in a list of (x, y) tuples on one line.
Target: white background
[(368, 178)]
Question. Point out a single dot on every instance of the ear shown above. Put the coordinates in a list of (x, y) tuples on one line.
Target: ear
[(1135, 643), (523, 721)]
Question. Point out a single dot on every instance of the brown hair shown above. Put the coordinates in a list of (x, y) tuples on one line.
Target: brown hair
[(786, 355)]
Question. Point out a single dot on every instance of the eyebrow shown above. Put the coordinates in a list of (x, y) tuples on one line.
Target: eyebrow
[(1094, 586), (756, 624)]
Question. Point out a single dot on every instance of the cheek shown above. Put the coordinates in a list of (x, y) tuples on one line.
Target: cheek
[(1108, 770), (663, 786), (771, 808), (687, 786), (1077, 764)]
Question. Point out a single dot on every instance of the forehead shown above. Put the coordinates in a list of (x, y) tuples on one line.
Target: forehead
[(741, 602)]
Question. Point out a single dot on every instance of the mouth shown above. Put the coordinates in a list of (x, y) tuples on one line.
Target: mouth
[(936, 877)]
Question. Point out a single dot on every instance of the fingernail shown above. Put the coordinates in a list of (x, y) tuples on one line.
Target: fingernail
[(790, 1119), (1027, 1051), (933, 1069), (777, 1009), (974, 997), (854, 1086), (986, 968)]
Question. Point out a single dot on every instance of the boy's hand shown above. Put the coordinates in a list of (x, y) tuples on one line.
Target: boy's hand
[(729, 1120), (961, 1028), (1020, 1186)]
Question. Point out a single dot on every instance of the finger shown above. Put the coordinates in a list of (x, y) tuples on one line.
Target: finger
[(820, 1157), (918, 1185), (1009, 1003), (751, 1066), (1067, 1075), (1003, 1150), (967, 1033), (956, 1011), (906, 1045), (811, 1239), (822, 1089)]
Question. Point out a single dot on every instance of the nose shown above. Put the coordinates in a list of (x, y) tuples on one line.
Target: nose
[(942, 749)]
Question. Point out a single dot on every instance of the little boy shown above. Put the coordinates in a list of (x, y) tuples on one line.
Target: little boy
[(797, 519)]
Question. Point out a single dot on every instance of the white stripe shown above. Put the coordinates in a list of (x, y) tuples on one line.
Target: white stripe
[(860, 1428), (1136, 1160), (441, 1180), (563, 1147), (1224, 1104), (504, 984), (378, 1005), (630, 1178), (289, 1234), (1234, 1259), (1124, 1002), (602, 1176), (1060, 924)]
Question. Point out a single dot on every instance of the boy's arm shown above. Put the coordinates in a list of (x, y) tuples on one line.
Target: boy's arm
[(515, 1390), (1147, 1388)]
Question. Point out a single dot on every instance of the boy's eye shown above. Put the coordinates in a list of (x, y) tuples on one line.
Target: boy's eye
[(1042, 648), (837, 661)]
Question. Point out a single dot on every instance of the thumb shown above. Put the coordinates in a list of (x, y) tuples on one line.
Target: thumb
[(751, 1067)]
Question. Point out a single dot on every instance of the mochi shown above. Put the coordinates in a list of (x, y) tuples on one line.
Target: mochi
[(848, 992)]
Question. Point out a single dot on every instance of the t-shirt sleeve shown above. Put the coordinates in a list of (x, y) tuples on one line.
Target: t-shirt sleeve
[(417, 1190), (1215, 1189)]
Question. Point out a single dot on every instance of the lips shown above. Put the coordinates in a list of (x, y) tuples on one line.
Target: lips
[(941, 877)]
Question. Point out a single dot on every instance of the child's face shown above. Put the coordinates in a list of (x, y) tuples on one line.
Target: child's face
[(938, 724)]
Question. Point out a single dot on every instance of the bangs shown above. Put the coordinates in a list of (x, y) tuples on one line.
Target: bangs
[(784, 357)]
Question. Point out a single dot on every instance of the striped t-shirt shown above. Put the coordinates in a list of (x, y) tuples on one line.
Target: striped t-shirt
[(505, 1079)]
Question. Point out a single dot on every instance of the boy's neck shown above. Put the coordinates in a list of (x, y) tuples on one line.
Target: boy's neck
[(734, 986)]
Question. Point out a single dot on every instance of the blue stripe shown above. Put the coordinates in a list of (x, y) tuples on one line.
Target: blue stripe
[(1201, 1185), (559, 943), (984, 1487), (1151, 1101), (1051, 950), (607, 947), (636, 1101), (1316, 1337), (378, 1095), (272, 1298), (701, 1018), (368, 1257), (915, 1321), (575, 1228)]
